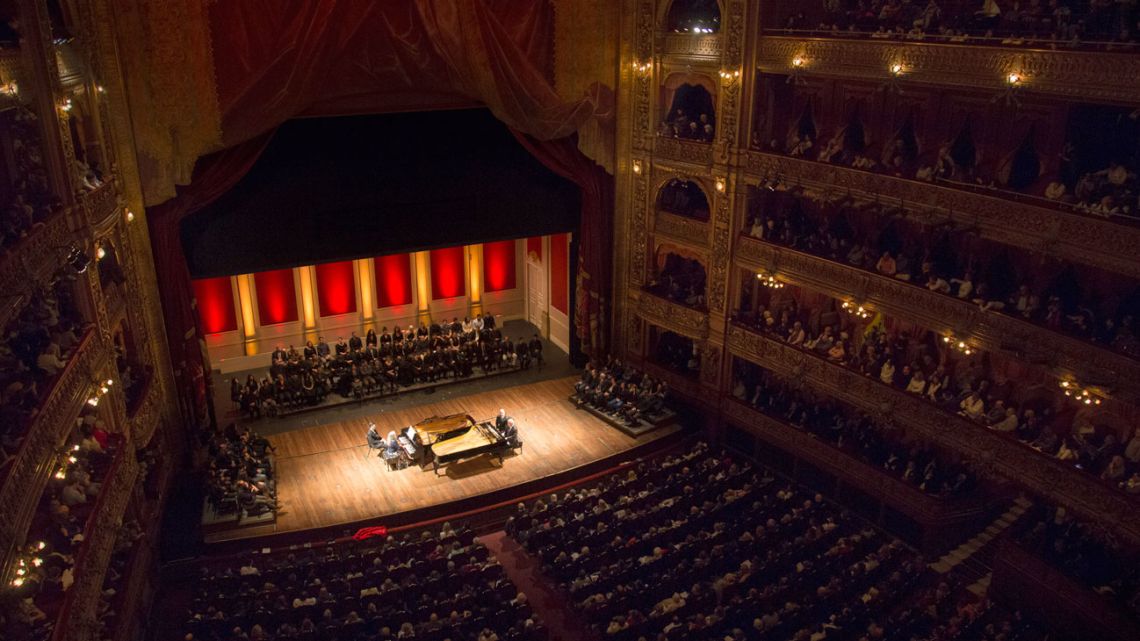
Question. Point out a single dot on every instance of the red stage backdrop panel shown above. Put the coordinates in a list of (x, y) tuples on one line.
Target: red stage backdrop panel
[(276, 296), (336, 288), (499, 266), (215, 304), (560, 272), (393, 280), (534, 246), (448, 277)]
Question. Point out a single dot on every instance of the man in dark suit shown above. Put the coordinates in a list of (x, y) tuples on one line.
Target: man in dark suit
[(536, 350), (501, 420), (375, 441), (354, 343)]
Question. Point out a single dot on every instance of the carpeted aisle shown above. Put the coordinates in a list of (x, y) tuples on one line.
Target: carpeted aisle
[(546, 600)]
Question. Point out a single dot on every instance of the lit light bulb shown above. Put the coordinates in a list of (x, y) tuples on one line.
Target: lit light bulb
[(130, 216), (1013, 78), (100, 253), (797, 62), (896, 69)]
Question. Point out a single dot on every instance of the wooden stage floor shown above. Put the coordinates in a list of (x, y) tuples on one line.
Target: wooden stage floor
[(324, 478)]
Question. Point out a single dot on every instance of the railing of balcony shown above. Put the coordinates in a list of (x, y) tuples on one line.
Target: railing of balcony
[(987, 451), (1085, 240), (991, 329)]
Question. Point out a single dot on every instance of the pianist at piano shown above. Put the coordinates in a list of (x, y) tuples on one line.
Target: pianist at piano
[(441, 440)]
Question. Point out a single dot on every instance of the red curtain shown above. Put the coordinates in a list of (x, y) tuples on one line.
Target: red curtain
[(592, 287), (214, 175), (275, 61)]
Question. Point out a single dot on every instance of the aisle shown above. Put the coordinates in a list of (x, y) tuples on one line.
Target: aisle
[(546, 600)]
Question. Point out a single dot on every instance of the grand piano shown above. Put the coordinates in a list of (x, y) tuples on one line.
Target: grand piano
[(440, 440)]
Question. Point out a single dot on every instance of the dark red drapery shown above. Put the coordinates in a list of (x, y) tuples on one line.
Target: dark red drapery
[(279, 60), (591, 311)]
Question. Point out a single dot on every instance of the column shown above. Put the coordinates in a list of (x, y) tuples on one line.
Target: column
[(423, 286), (475, 279), (248, 316)]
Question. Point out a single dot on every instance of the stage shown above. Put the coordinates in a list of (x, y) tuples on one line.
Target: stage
[(324, 477)]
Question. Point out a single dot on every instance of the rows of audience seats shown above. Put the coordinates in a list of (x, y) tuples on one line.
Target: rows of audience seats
[(30, 200), (1085, 553), (1064, 304), (854, 433), (920, 363), (1035, 23), (240, 472), (621, 390), (699, 546), (58, 529), (436, 584), (35, 349), (382, 363)]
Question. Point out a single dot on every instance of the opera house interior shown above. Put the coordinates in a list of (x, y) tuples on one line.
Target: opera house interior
[(560, 320)]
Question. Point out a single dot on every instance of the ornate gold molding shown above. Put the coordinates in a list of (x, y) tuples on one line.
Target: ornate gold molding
[(989, 330), (686, 231), (686, 151), (673, 317), (1074, 237), (78, 614), (1100, 76), (21, 489), (686, 45), (146, 418), (101, 207), (985, 450)]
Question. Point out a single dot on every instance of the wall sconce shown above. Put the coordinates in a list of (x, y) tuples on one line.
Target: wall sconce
[(10, 89), (958, 344), (1013, 79), (1084, 395), (100, 252), (856, 310), (798, 62), (642, 67), (729, 76), (769, 280), (100, 89), (130, 216), (896, 69), (637, 167), (65, 105), (720, 185)]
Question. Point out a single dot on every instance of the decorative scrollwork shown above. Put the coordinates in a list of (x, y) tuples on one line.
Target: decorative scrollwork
[(687, 151), (673, 317), (705, 47), (1102, 77), (683, 230)]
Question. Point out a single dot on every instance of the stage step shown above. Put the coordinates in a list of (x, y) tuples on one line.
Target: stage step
[(668, 417)]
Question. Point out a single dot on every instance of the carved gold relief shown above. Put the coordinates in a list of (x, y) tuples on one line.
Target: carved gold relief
[(682, 230), (1101, 76), (692, 46), (673, 317)]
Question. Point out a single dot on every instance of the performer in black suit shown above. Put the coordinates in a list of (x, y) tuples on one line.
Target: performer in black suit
[(501, 420)]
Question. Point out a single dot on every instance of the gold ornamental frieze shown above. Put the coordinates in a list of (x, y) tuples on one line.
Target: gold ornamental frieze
[(1101, 76), (673, 316)]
